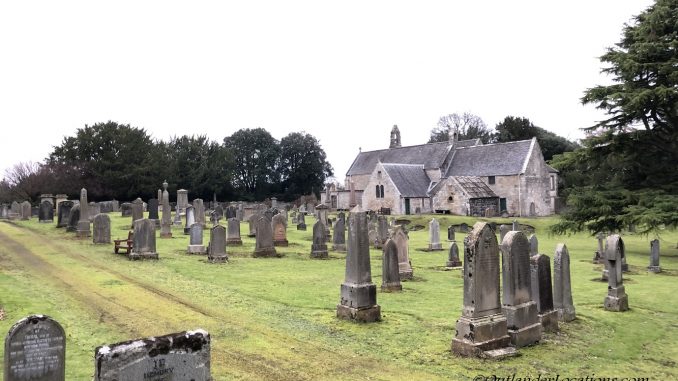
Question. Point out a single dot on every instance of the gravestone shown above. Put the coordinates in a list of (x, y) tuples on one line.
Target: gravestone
[(177, 216), (562, 285), (319, 246), (252, 222), (322, 214), (58, 200), (190, 219), (434, 236), (35, 350), (463, 227), (402, 242), (177, 356), (358, 294), (46, 214), (94, 209), (453, 257), (233, 238), (144, 240), (450, 233), (390, 269), (4, 211), (482, 328), (216, 251), (166, 221), (302, 222), (503, 229), (219, 210), (137, 210), (598, 255), (101, 229), (339, 236), (195, 243), (126, 209), (73, 218), (654, 257), (382, 232), (534, 245), (230, 212), (542, 292), (515, 226), (279, 230), (199, 211), (182, 201), (520, 310), (83, 230), (25, 210), (15, 210), (64, 211), (263, 246), (153, 211), (617, 300)]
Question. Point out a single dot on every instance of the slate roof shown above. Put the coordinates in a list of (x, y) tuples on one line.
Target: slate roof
[(411, 180), (498, 159), (551, 169), (468, 143), (430, 155), (474, 187)]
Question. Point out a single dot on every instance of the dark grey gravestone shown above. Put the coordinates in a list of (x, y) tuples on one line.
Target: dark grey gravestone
[(302, 222), (390, 274), (230, 211), (463, 227), (598, 255), (233, 237), (279, 228), (35, 350), (263, 246), (339, 236), (450, 233), (220, 211), (144, 240), (126, 209), (216, 251), (195, 243), (73, 218), (83, 230), (358, 293), (252, 223), (46, 213), (137, 210), (534, 245), (402, 242), (434, 236), (64, 213), (382, 232), (190, 219), (101, 229), (616, 300), (562, 285), (453, 256), (519, 308), (503, 229), (177, 356), (542, 291), (654, 257), (199, 206), (482, 327), (153, 209), (319, 246)]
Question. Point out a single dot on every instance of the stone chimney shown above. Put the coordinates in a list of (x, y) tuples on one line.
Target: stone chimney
[(395, 137)]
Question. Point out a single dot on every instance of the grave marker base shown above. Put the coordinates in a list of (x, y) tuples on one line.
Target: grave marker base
[(268, 252), (616, 300), (475, 336), (654, 269), (362, 315), (549, 321), (196, 249)]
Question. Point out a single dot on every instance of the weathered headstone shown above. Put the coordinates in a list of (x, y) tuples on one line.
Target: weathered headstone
[(195, 243), (562, 285), (453, 257), (137, 210), (520, 310), (252, 223), (15, 210), (463, 227), (4, 211), (73, 218), (515, 226), (301, 218), (177, 216), (101, 229), (382, 232), (503, 229), (534, 245), (177, 356), (233, 238), (190, 219), (540, 278), (617, 300), (216, 252), (199, 207), (144, 240), (219, 210), (279, 230), (322, 212), (166, 221), (83, 230), (264, 242), (35, 350), (230, 211), (126, 209), (390, 273), (402, 242), (358, 294), (654, 257), (46, 212), (351, 196), (319, 246), (434, 236), (339, 236), (64, 211), (482, 328), (94, 209), (598, 255), (59, 198), (450, 233), (182, 201), (153, 211), (25, 210)]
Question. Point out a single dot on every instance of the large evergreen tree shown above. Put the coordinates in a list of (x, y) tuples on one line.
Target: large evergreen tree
[(512, 129)]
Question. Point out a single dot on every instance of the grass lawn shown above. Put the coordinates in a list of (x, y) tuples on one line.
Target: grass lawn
[(274, 318)]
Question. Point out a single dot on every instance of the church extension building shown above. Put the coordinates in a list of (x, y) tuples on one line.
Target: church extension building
[(463, 177)]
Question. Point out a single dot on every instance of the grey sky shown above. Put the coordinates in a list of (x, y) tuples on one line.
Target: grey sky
[(344, 72)]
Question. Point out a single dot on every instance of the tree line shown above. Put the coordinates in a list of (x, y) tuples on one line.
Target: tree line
[(118, 161)]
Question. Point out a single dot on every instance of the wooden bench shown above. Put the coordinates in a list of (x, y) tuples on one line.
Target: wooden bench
[(124, 244)]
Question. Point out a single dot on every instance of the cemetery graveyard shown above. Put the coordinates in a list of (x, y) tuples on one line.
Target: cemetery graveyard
[(252, 308)]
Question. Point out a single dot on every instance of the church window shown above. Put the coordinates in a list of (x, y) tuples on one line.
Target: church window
[(490, 180)]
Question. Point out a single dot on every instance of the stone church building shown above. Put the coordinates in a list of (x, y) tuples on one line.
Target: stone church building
[(463, 177)]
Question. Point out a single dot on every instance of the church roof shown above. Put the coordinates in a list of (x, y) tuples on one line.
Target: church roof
[(411, 180), (474, 186), (498, 159), (430, 155)]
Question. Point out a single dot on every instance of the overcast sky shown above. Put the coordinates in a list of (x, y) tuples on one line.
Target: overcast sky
[(345, 72)]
